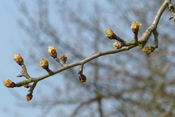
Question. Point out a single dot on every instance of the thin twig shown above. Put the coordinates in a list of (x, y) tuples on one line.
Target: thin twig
[(171, 9), (136, 37), (155, 38), (68, 66), (24, 72), (144, 38)]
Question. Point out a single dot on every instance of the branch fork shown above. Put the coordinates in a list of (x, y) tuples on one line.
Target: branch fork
[(120, 46)]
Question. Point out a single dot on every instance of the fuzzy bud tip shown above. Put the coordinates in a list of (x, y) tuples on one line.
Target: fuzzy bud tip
[(135, 26), (18, 59), (117, 45), (52, 51), (8, 83), (110, 34), (43, 63)]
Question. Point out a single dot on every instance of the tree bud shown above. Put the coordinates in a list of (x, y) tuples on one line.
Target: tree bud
[(148, 50), (63, 57), (29, 97), (43, 63), (117, 45), (18, 59), (82, 78), (110, 34), (52, 51), (8, 83), (135, 26)]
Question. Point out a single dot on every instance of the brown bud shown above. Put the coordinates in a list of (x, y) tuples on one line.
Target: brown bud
[(171, 18), (52, 51), (19, 76), (26, 85), (29, 97), (82, 78), (63, 57)]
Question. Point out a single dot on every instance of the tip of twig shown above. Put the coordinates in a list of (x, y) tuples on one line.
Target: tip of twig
[(171, 18), (19, 76)]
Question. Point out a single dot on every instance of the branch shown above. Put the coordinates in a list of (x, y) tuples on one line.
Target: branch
[(155, 38), (120, 46), (144, 38), (68, 66), (171, 9)]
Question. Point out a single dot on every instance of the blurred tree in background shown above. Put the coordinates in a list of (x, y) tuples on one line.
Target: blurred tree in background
[(127, 84)]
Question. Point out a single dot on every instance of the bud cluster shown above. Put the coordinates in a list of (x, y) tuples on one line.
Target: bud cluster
[(43, 63)]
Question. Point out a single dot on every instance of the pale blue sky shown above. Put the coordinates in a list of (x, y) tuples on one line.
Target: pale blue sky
[(11, 43)]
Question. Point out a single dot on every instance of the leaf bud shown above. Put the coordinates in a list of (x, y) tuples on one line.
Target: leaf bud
[(29, 96), (110, 34), (63, 57), (148, 50), (135, 26), (18, 59), (8, 83), (43, 63), (82, 78), (117, 45), (52, 51)]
